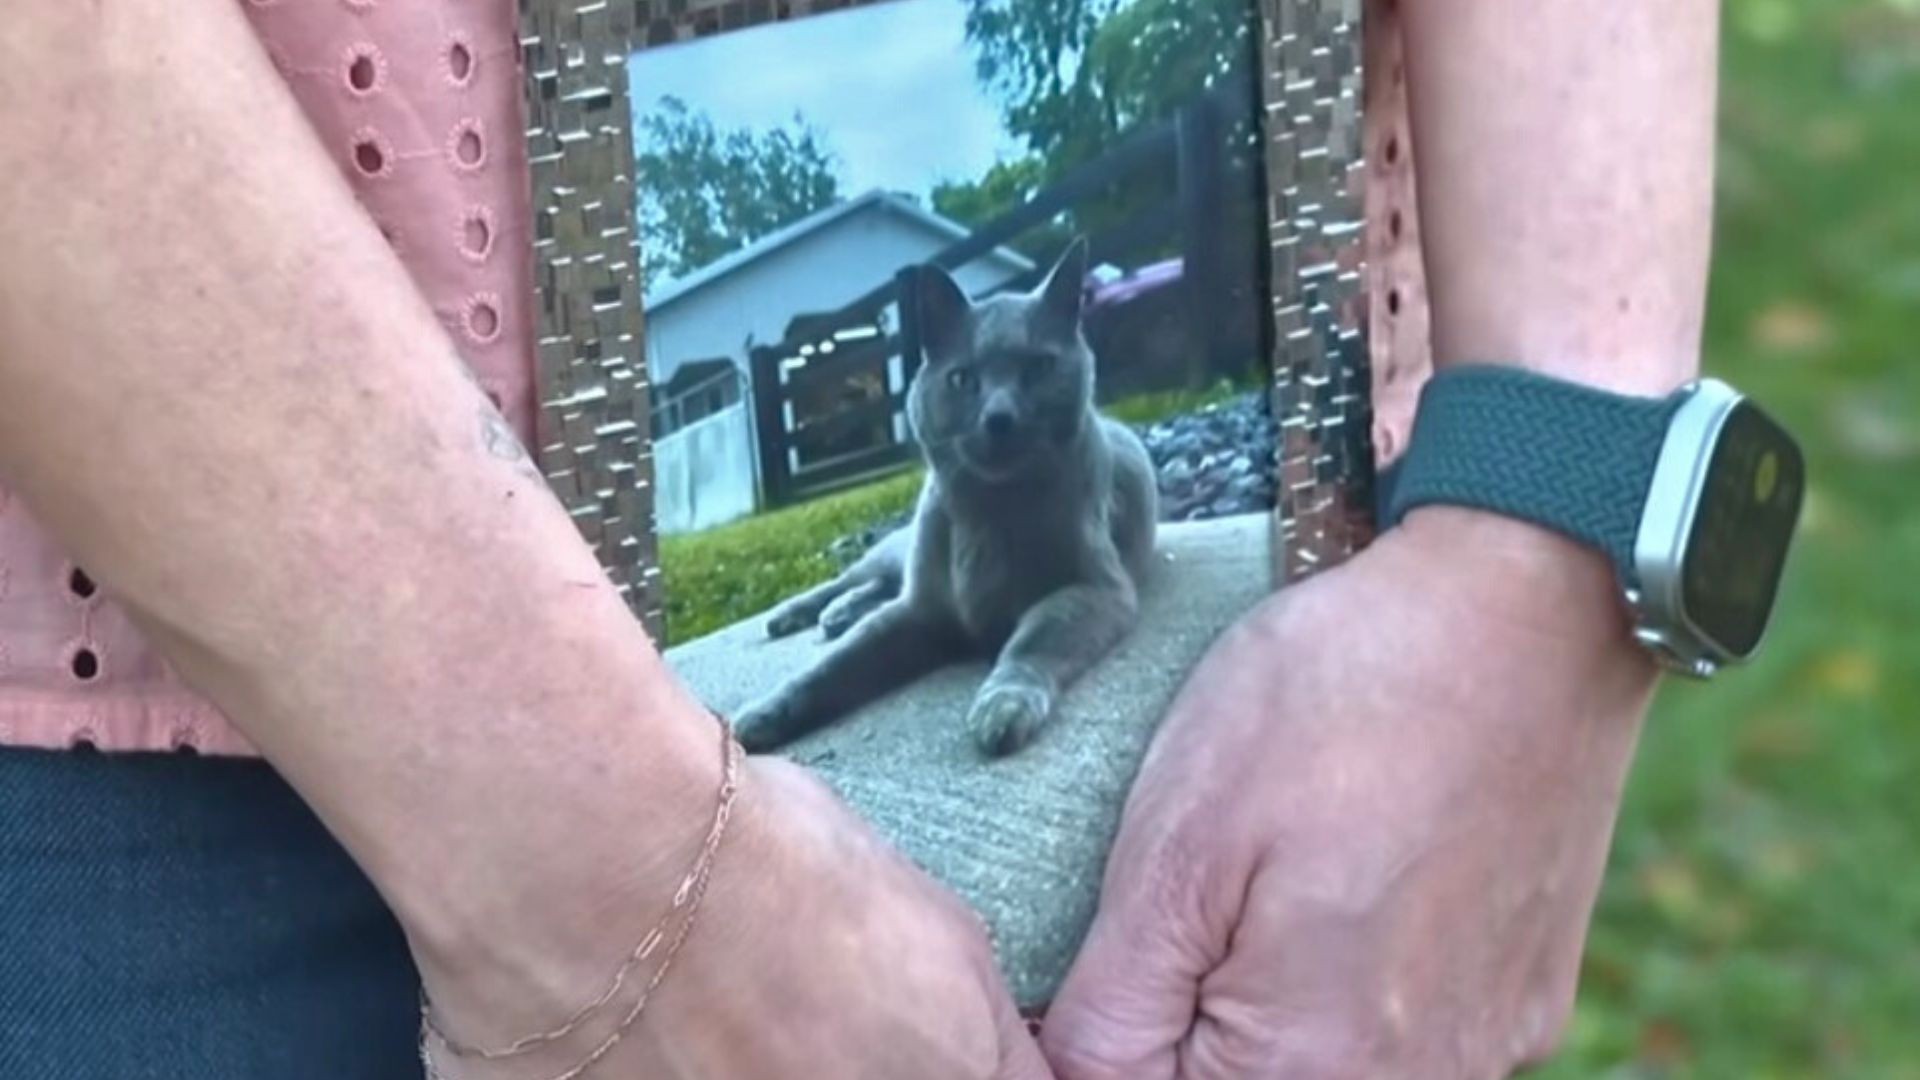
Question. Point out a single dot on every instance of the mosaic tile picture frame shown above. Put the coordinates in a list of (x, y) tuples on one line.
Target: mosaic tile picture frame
[(594, 438), (1021, 839)]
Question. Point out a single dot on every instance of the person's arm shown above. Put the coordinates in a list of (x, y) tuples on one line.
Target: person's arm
[(219, 389), (1565, 180), (1375, 853)]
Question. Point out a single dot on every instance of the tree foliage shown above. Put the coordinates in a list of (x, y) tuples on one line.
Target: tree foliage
[(1007, 184), (705, 192), (1074, 76)]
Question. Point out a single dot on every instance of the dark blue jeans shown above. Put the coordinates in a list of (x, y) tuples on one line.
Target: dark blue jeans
[(179, 917)]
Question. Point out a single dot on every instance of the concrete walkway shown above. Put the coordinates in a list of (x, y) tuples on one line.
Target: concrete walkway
[(1024, 840)]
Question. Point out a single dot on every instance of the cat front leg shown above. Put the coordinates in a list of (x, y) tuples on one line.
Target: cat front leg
[(853, 605), (835, 606), (804, 610), (1055, 643), (889, 648)]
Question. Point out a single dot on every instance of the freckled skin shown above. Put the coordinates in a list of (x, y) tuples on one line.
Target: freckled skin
[(1029, 542)]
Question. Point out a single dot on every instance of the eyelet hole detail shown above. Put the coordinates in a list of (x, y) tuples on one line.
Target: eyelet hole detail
[(482, 318), (460, 61), (476, 234), (1393, 301), (467, 146), (366, 70), (80, 586), (83, 661), (372, 155)]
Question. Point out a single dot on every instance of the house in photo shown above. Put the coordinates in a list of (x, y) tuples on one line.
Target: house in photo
[(702, 328)]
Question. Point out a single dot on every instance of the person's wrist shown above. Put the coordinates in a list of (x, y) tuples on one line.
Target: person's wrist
[(1543, 576), (1523, 579), (563, 917), (668, 992), (1544, 611)]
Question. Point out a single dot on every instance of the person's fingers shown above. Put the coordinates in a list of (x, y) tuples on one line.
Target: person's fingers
[(1021, 1058), (1240, 1041), (1234, 1039), (1024, 1061), (1291, 1000), (1230, 1051), (1131, 995)]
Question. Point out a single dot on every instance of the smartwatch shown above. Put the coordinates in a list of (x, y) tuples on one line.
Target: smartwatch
[(1694, 497)]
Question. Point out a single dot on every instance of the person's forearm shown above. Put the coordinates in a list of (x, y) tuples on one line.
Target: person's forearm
[(220, 390), (1565, 171)]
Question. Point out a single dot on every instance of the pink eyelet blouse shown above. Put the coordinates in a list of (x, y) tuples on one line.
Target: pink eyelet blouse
[(420, 102)]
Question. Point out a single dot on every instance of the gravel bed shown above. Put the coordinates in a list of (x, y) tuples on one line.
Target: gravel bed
[(1214, 462)]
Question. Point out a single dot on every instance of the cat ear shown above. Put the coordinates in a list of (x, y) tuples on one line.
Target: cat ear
[(1060, 297), (943, 310)]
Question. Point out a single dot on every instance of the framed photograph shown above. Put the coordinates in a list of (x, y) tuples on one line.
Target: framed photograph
[(939, 377)]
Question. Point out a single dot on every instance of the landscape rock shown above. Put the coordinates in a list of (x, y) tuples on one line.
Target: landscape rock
[(1215, 461)]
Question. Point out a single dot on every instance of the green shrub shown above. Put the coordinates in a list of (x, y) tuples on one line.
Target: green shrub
[(1148, 408), (718, 576)]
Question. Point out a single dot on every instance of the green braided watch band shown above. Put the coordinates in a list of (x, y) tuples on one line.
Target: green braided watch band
[(1568, 457)]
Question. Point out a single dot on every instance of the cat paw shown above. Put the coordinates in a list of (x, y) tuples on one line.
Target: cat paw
[(787, 623), (764, 726), (850, 607), (837, 621), (842, 617), (1007, 716)]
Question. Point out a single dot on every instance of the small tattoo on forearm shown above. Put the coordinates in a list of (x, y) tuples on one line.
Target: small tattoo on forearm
[(502, 443)]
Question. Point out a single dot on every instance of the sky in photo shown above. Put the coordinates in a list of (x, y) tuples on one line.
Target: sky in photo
[(891, 87)]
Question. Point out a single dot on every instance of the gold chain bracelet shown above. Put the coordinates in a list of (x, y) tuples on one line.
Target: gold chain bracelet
[(685, 906)]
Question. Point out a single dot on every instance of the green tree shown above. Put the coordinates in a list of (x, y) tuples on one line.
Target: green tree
[(705, 193), (976, 202), (1006, 185), (1075, 76)]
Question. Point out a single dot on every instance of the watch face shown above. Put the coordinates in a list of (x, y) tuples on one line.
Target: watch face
[(1741, 530)]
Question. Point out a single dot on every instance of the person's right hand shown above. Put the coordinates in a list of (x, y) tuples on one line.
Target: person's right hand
[(819, 952)]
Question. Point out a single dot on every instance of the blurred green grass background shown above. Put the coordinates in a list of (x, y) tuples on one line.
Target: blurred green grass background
[(1761, 918)]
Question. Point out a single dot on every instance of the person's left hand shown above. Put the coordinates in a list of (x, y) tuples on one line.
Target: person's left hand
[(1368, 839)]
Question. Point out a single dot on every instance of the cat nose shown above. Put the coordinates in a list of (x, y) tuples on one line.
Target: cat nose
[(998, 422)]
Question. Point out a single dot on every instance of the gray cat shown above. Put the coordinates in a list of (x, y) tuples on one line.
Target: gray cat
[(1032, 532)]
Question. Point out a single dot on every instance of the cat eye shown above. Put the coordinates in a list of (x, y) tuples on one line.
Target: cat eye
[(960, 378)]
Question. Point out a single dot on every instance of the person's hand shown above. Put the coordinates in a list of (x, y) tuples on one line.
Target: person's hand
[(819, 952), (1368, 839)]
